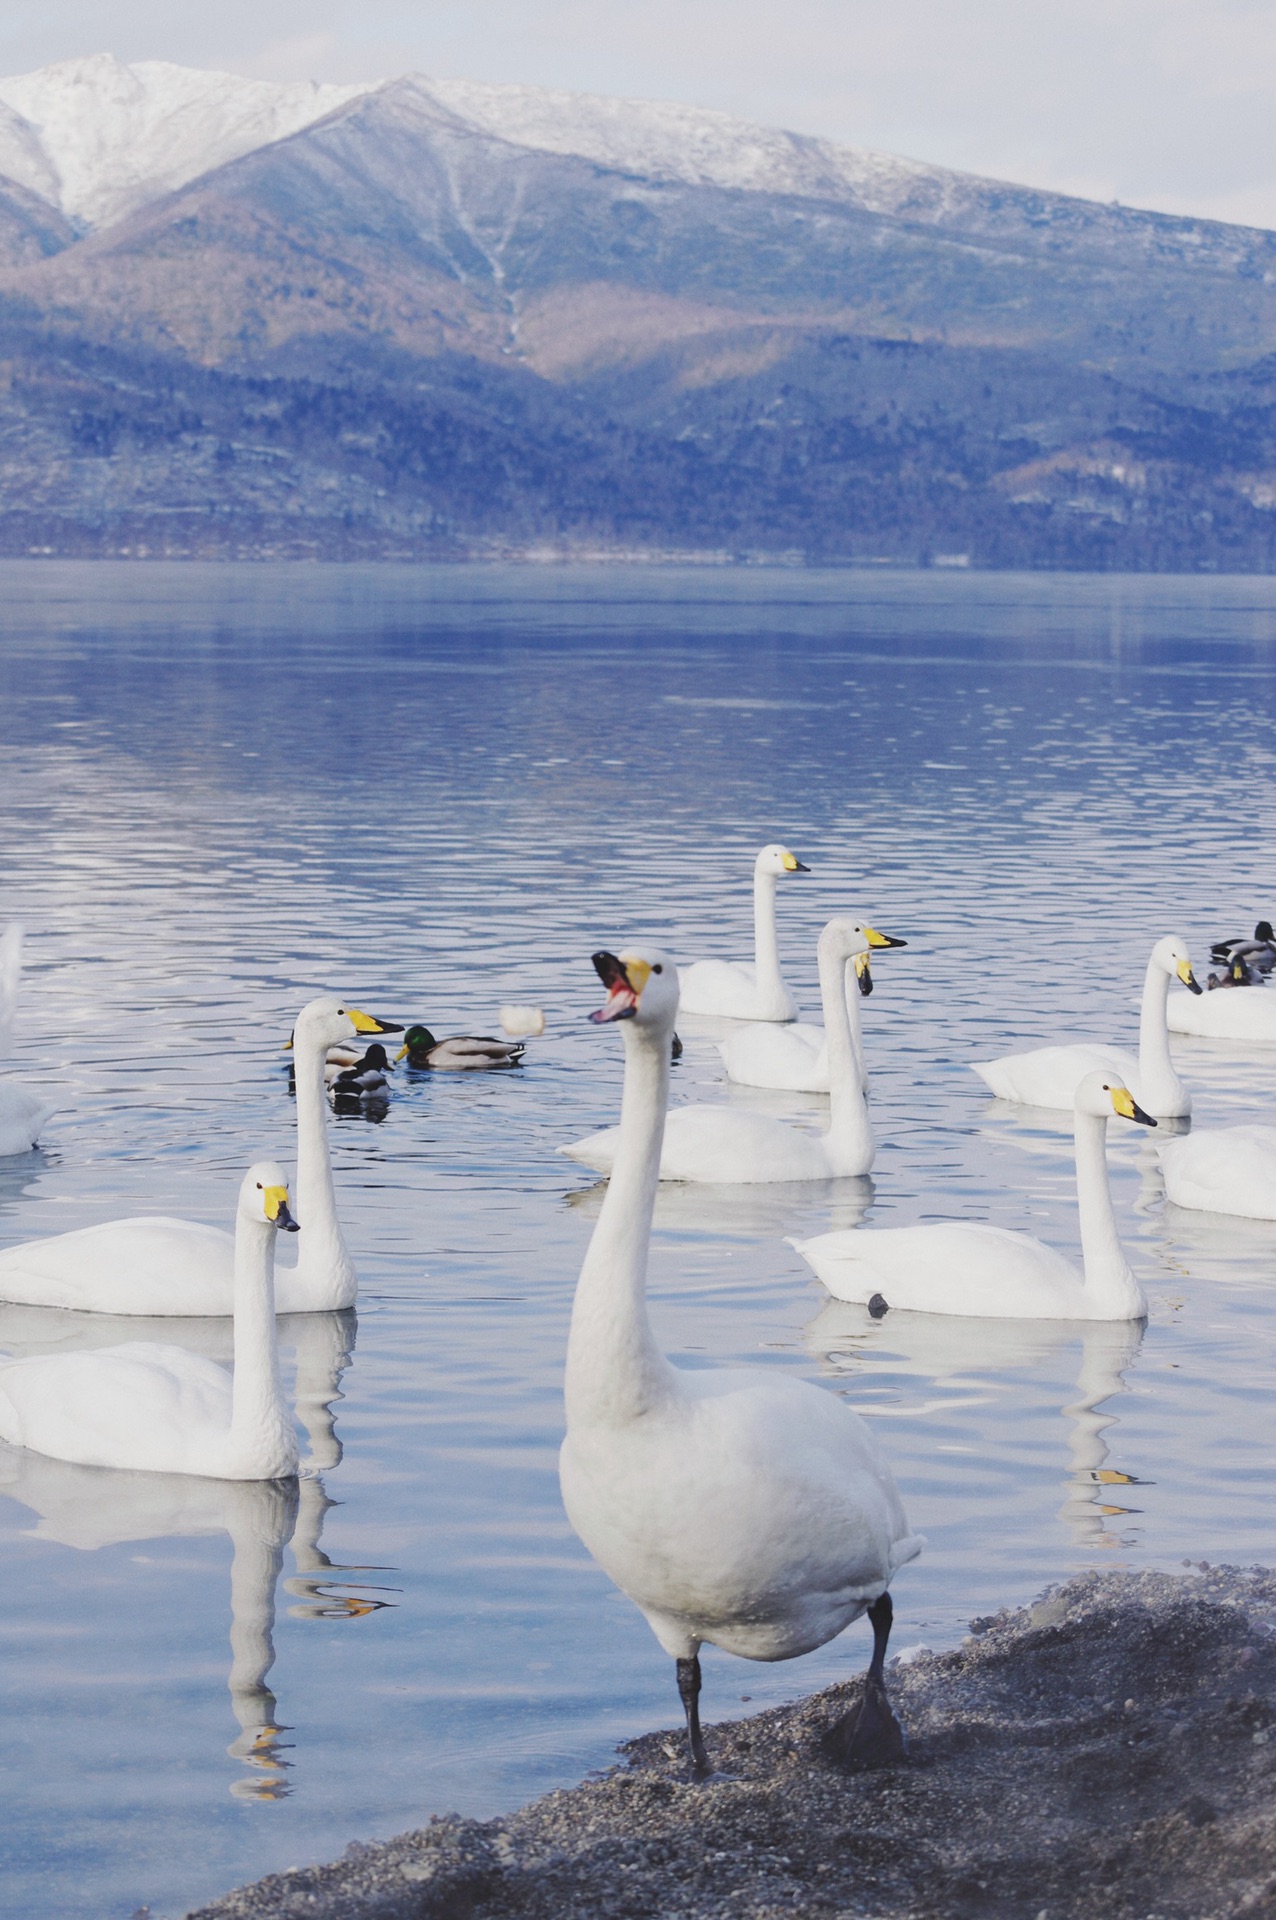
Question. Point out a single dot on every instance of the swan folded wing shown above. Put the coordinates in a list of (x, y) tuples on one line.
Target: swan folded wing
[(791, 1057), (956, 1266), (1223, 1170), (1224, 1016), (719, 986), (1049, 1076), (151, 1265), (141, 1406)]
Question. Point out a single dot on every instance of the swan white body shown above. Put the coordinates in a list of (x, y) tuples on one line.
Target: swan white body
[(728, 1146), (1049, 1076), (794, 1058), (164, 1409), (1244, 1013), (735, 1507), (1223, 1170), (157, 1265), (964, 1267), (733, 987)]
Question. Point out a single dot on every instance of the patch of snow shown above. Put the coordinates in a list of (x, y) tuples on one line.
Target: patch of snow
[(98, 139)]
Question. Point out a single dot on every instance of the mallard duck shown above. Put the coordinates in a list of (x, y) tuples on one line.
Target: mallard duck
[(459, 1053), (1258, 953)]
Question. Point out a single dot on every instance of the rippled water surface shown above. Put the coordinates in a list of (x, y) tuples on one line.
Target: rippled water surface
[(226, 789)]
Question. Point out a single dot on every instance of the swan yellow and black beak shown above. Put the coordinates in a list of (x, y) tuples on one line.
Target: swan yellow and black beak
[(1124, 1103), (863, 974), (1189, 979), (876, 939), (624, 981), (275, 1203), (793, 865), (368, 1023)]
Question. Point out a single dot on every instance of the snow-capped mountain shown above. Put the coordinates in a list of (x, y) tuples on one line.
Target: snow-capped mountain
[(98, 139)]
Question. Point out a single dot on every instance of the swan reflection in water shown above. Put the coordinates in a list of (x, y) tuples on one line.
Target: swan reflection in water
[(751, 1212), (962, 1358), (92, 1507)]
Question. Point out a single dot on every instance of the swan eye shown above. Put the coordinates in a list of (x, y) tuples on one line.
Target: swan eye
[(657, 968), (259, 1186)]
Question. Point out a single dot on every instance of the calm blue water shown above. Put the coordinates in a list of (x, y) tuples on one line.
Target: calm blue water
[(228, 788)]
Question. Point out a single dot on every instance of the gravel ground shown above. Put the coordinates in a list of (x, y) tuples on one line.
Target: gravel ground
[(1106, 1754)]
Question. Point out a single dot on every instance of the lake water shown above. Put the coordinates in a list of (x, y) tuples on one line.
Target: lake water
[(226, 789)]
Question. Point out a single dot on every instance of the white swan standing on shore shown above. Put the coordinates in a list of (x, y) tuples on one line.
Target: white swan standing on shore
[(734, 988), (963, 1266), (23, 1114), (796, 1057), (1223, 1170), (1049, 1076), (729, 1146), (164, 1409), (157, 1265), (738, 1507)]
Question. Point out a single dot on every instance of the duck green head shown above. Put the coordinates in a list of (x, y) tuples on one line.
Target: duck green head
[(416, 1040)]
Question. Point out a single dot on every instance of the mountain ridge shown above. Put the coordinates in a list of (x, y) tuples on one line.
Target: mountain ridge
[(446, 318)]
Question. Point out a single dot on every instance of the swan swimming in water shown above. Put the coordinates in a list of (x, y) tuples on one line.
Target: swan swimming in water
[(164, 1409), (795, 1057), (1223, 1170), (966, 1267), (1049, 1076), (734, 1506), (734, 987), (157, 1265), (729, 1146)]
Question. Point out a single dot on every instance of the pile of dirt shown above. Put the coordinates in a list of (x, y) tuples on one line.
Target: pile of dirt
[(1106, 1754)]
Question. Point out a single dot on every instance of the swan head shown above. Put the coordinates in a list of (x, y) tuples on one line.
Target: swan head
[(849, 937), (777, 859), (327, 1021), (642, 985), (1171, 955), (1102, 1096), (264, 1197)]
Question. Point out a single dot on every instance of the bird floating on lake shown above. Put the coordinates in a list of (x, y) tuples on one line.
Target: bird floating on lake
[(739, 1507), (158, 1265), (739, 989), (967, 1267), (1049, 1076), (459, 1053), (163, 1409)]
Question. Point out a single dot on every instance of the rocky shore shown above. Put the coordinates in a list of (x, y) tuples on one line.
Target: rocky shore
[(1108, 1753)]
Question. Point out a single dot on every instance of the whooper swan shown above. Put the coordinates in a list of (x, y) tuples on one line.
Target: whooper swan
[(733, 987), (164, 1409), (739, 1507), (1048, 1077), (731, 1147), (156, 1265), (962, 1266)]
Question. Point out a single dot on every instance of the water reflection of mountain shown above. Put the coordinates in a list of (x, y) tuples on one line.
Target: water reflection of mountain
[(963, 1363)]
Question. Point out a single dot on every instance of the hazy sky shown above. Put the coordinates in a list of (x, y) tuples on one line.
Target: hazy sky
[(1160, 103)]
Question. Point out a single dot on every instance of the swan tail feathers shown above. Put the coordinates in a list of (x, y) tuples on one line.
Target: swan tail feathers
[(902, 1551)]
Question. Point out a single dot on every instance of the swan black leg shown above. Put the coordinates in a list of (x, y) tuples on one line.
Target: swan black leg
[(689, 1694), (870, 1735)]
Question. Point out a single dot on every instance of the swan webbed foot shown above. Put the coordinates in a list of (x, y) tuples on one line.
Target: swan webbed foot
[(689, 1694), (870, 1735)]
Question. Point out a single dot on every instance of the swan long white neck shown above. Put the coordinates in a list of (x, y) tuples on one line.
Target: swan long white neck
[(615, 1370), (850, 1143), (1109, 1284), (1160, 1089), (766, 947), (261, 1432), (323, 1259)]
